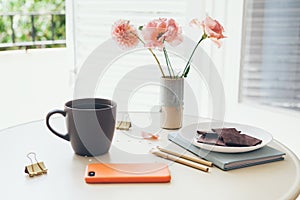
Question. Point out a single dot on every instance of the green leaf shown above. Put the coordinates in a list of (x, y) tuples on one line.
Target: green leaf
[(141, 27)]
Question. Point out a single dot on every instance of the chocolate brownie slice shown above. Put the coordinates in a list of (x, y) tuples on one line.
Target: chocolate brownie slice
[(225, 130), (240, 140), (227, 137), (251, 141), (211, 138)]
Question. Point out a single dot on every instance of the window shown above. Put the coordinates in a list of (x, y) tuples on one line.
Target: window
[(32, 24), (271, 53)]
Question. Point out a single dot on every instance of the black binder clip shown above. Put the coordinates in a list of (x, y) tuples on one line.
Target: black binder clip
[(123, 125), (35, 169)]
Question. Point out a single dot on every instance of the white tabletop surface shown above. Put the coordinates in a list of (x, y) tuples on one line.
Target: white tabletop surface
[(65, 178)]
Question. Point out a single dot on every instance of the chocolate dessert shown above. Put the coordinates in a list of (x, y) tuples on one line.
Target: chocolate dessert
[(230, 137)]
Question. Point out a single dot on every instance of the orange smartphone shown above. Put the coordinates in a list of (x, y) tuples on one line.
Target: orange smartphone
[(127, 173)]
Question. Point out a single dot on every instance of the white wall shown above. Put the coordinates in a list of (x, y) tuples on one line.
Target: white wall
[(32, 83)]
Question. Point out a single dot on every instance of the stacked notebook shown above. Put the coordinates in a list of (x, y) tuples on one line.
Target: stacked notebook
[(229, 161)]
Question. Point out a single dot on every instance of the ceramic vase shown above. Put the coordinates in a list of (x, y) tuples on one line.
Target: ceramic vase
[(171, 99)]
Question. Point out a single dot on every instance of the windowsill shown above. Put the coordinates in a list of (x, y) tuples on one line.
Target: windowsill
[(32, 50), (267, 108)]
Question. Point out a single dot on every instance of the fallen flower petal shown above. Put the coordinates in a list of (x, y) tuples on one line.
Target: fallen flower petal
[(149, 136)]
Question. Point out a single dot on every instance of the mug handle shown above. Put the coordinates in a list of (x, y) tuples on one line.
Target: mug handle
[(66, 136)]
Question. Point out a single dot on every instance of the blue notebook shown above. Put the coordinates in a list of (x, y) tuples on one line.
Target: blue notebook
[(229, 161)]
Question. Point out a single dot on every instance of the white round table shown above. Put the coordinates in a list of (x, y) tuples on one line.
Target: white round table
[(65, 178)]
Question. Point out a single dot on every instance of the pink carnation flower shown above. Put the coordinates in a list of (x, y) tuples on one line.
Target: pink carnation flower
[(211, 27), (124, 34), (173, 35), (159, 30), (153, 31)]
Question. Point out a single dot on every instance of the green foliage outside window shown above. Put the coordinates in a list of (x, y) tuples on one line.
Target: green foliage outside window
[(47, 15)]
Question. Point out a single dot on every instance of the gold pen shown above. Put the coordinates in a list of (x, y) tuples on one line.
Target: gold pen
[(178, 160), (191, 158)]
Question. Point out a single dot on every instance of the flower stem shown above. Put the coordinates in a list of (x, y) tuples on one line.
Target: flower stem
[(171, 71), (161, 70), (170, 64), (167, 63), (186, 69), (153, 54)]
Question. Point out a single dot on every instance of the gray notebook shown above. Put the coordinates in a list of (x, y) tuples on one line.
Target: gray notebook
[(229, 161)]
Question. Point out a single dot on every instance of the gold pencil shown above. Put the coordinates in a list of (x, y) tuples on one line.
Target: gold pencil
[(191, 158), (178, 160)]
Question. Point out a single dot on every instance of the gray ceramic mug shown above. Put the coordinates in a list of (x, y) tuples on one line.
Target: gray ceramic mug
[(90, 125)]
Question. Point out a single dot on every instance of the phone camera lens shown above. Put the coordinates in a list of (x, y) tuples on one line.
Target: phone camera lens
[(91, 173)]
